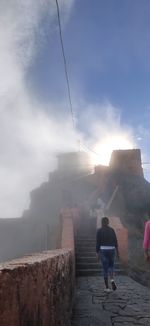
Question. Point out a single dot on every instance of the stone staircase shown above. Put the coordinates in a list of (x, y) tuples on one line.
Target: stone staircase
[(85, 244)]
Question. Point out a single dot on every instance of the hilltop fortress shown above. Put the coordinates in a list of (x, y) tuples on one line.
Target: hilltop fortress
[(121, 186)]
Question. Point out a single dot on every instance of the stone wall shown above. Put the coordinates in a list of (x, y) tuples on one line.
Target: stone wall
[(122, 236), (67, 233), (37, 290)]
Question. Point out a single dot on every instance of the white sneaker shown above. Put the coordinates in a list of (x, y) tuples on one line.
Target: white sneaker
[(107, 290)]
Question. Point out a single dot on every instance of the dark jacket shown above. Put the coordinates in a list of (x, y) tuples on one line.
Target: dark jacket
[(106, 236)]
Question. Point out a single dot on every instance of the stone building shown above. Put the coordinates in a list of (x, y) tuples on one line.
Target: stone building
[(127, 161), (74, 182)]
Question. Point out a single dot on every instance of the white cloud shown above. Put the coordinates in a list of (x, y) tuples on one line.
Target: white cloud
[(29, 141), (28, 137)]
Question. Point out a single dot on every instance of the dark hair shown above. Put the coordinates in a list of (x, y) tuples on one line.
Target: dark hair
[(105, 221)]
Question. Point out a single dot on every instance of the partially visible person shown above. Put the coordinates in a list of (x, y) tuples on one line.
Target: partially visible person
[(92, 218), (100, 208), (93, 213), (106, 246), (146, 242)]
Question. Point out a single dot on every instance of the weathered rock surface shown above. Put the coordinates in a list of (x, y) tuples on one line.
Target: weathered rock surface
[(37, 290), (129, 305)]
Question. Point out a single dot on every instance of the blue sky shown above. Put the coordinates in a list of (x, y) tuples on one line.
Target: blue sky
[(107, 47)]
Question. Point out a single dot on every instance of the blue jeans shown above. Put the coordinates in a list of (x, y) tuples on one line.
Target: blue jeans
[(107, 257)]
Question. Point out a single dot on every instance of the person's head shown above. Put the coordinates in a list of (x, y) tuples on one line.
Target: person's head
[(105, 221)]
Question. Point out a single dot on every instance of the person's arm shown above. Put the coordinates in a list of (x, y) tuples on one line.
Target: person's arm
[(146, 242), (97, 242), (146, 255)]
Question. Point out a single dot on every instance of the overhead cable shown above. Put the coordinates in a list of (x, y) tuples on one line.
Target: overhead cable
[(91, 150), (65, 63), (66, 73)]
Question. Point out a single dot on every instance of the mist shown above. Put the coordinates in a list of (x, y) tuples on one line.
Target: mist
[(30, 137)]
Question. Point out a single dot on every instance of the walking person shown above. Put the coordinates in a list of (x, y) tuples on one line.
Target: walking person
[(106, 246), (146, 242)]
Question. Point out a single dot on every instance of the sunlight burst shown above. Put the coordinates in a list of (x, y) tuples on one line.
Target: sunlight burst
[(105, 147)]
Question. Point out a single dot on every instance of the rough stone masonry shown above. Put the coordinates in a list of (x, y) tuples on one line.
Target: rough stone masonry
[(37, 290)]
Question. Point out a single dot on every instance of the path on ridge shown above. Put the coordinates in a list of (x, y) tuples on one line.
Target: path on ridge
[(129, 305)]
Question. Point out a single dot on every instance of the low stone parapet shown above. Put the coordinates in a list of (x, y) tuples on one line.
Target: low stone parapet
[(67, 240), (37, 290)]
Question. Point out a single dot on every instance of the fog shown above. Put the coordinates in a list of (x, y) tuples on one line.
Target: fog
[(30, 136)]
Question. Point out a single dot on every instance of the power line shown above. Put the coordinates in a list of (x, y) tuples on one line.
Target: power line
[(91, 150), (67, 77), (65, 63), (66, 72)]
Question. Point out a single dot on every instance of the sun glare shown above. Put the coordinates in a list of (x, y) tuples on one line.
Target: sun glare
[(105, 147)]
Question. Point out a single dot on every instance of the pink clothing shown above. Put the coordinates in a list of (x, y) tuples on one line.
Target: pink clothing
[(146, 242)]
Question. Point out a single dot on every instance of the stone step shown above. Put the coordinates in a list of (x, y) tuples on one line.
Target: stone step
[(86, 265), (85, 254), (89, 251), (86, 235), (88, 272), (80, 239), (88, 259), (95, 272), (85, 249), (85, 243)]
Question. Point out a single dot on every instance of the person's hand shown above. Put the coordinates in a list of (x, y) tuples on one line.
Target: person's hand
[(118, 257), (97, 255), (117, 254), (147, 257)]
